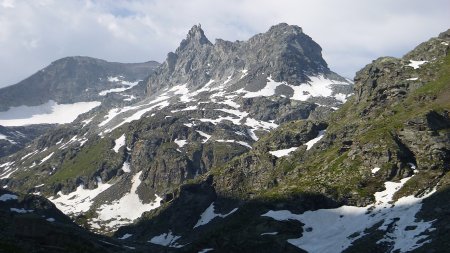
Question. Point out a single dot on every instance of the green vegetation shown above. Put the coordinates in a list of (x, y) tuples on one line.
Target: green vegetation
[(88, 160)]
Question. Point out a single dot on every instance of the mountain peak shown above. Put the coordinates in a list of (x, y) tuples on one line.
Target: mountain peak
[(195, 36), (285, 28)]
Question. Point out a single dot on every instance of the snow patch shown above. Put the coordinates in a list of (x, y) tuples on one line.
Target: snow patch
[(180, 143), (20, 210), (46, 158), (126, 167), (268, 90), (203, 134), (416, 64), (375, 170), (270, 233), (48, 113), (334, 230), (4, 137), (119, 142), (118, 212), (311, 143), (205, 250), (243, 143), (283, 152), (125, 236), (166, 239), (6, 197), (209, 214), (78, 201)]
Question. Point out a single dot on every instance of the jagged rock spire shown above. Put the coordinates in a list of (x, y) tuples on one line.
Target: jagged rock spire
[(195, 37)]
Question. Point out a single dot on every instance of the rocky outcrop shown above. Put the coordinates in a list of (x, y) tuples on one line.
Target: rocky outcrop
[(13, 139)]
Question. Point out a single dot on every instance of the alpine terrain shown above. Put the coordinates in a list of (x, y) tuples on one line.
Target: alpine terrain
[(60, 92), (245, 146)]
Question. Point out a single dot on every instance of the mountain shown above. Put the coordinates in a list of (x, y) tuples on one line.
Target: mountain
[(374, 181), (138, 153), (284, 55), (60, 92), (257, 146), (73, 79)]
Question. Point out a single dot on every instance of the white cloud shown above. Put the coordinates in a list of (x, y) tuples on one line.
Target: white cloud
[(352, 33), (8, 4)]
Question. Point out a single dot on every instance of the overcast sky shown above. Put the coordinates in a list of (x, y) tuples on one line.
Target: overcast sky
[(351, 32)]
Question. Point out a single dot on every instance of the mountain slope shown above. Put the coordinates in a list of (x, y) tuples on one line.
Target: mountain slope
[(140, 153), (376, 181), (60, 92), (70, 80), (33, 224)]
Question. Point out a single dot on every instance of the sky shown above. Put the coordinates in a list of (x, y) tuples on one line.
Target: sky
[(351, 33)]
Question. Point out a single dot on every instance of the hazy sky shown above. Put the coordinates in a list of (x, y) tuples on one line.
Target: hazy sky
[(351, 32)]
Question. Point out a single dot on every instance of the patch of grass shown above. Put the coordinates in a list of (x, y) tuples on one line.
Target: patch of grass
[(86, 162)]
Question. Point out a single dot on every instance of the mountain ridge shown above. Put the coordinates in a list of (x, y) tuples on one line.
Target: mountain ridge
[(249, 162)]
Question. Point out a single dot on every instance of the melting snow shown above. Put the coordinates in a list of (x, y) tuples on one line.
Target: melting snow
[(4, 137), (282, 152), (209, 214), (126, 167), (46, 158), (166, 239), (20, 210), (334, 230), (375, 170), (189, 108), (118, 212), (243, 143), (416, 64), (268, 90), (78, 201), (6, 197), (205, 250), (180, 143), (51, 220), (412, 79), (341, 97), (125, 236), (120, 142), (85, 123), (128, 85), (48, 113), (311, 143), (270, 233), (319, 86), (207, 136), (244, 73)]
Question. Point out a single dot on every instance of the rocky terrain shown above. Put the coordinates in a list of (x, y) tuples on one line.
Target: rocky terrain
[(63, 90), (143, 151), (73, 79), (240, 147)]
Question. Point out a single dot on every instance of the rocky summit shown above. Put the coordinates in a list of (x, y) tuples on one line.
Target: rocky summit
[(246, 146)]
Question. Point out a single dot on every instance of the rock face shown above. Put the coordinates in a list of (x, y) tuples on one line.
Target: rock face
[(13, 139), (70, 80)]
